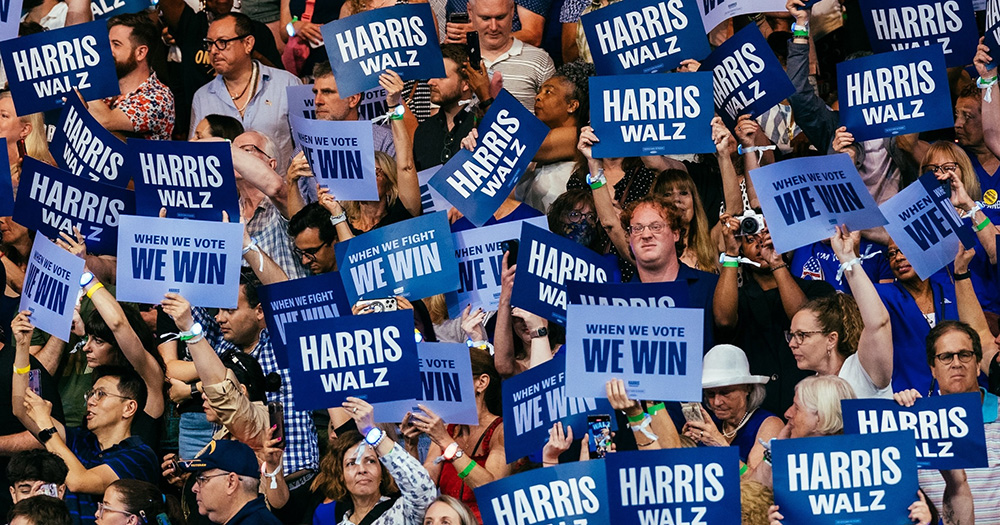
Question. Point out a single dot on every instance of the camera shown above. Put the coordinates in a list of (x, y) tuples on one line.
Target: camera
[(751, 223)]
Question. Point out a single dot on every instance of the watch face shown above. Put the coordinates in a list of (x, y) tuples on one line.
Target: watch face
[(373, 435)]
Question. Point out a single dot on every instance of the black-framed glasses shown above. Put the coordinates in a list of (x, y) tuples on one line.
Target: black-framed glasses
[(200, 480), (800, 336), (309, 253), (251, 149), (222, 43), (654, 228), (102, 508), (576, 216), (891, 253), (964, 356), (101, 394), (947, 167)]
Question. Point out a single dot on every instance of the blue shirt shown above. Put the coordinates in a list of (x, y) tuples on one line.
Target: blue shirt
[(817, 262), (254, 513)]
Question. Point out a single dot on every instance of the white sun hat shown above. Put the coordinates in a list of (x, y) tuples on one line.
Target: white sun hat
[(727, 365)]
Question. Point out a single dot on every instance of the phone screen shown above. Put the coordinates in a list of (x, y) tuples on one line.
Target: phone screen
[(599, 427), (35, 381)]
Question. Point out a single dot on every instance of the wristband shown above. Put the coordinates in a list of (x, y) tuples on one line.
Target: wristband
[(962, 276), (598, 181), (643, 427), (272, 475), (656, 408), (22, 371), (979, 228), (397, 112), (729, 261), (93, 288), (987, 84), (195, 339), (290, 28), (636, 418), (778, 267), (465, 472), (743, 469), (194, 390), (255, 247), (337, 219), (972, 211), (849, 265)]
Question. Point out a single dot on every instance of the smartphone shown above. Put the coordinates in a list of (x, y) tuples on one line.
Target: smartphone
[(48, 489), (692, 412), (375, 306), (179, 465), (472, 48), (459, 18), (599, 426), (511, 248), (276, 412), (35, 381)]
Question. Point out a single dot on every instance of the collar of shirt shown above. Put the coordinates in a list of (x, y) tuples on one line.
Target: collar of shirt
[(515, 49), (218, 83)]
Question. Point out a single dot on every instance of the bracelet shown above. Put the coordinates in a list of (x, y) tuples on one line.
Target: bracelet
[(979, 228), (195, 339), (272, 475), (549, 462), (972, 211), (597, 182), (337, 219), (646, 420), (646, 444), (778, 267), (962, 276), (656, 408), (983, 83), (636, 418), (290, 28), (767, 456), (849, 265), (93, 288), (255, 247), (397, 112), (465, 473), (729, 261), (743, 469), (22, 371)]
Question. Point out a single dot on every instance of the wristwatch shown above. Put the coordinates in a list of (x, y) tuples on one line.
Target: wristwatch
[(86, 279), (45, 435), (541, 332), (451, 453), (374, 436)]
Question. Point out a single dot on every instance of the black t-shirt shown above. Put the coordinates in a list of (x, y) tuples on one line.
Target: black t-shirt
[(396, 213), (433, 144), (323, 10)]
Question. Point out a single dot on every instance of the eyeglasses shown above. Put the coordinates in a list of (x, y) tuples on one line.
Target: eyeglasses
[(102, 508), (101, 394), (654, 228), (251, 149), (948, 167), (575, 216), (200, 480), (222, 43), (947, 357), (891, 253), (800, 336), (309, 253)]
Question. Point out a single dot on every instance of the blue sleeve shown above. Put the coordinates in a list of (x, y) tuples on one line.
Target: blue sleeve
[(135, 463)]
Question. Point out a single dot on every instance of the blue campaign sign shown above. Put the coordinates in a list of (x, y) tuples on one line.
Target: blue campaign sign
[(51, 200), (749, 79), (479, 253), (340, 155), (83, 147), (43, 68), (301, 102), (652, 114), (192, 180), (837, 480), (571, 493), (430, 200), (655, 486), (904, 24), (658, 357), (6, 184), (992, 33), (545, 263), (401, 38), (714, 12), (369, 356), (10, 18), (445, 386), (804, 199), (644, 36), (104, 9), (924, 225), (894, 93), (197, 259), (648, 295), (51, 283), (318, 297), (478, 182), (535, 399), (949, 429), (412, 259)]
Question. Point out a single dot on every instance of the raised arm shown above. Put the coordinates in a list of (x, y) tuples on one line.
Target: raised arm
[(991, 110), (262, 264), (875, 344), (210, 369), (603, 200), (725, 302), (503, 334), (495, 466), (171, 11), (406, 168), (262, 176), (811, 114), (970, 311), (79, 12)]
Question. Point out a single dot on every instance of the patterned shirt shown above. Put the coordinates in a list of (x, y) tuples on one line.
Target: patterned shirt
[(418, 491), (525, 68), (150, 108), (271, 231)]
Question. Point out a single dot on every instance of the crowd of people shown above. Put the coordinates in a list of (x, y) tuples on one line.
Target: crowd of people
[(173, 413)]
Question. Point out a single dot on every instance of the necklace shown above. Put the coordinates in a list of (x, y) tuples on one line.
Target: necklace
[(252, 91), (253, 77), (731, 435)]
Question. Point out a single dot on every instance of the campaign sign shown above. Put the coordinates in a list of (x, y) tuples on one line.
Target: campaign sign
[(104, 9), (401, 38), (301, 102), (836, 480), (10, 19), (192, 180), (652, 114), (749, 79), (535, 399), (648, 295), (714, 12), (318, 297), (949, 429), (545, 262), (197, 259), (658, 357), (571, 493), (478, 182), (6, 183), (340, 155), (894, 93), (893, 25), (51, 283), (924, 225), (51, 200), (430, 200), (689, 485), (83, 147), (411, 259), (479, 253), (992, 33), (371, 357), (804, 199), (445, 386), (644, 36), (43, 68)]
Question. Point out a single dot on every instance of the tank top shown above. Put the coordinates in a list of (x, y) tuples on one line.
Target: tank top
[(746, 437), (448, 481)]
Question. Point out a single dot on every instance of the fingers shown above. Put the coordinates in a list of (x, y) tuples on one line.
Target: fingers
[(163, 212)]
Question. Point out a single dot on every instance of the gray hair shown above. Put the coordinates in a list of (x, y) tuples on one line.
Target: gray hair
[(822, 395)]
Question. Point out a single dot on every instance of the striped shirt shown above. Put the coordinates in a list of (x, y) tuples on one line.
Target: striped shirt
[(524, 68), (129, 459), (984, 482)]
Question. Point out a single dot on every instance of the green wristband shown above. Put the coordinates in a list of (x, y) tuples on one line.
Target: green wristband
[(656, 408), (982, 225), (636, 419), (467, 470), (731, 264), (744, 469)]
